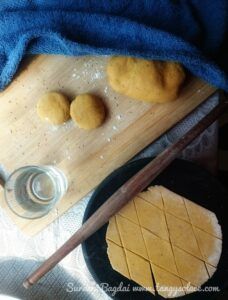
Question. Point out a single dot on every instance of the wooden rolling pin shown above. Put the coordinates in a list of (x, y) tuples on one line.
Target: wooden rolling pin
[(125, 193), (2, 182)]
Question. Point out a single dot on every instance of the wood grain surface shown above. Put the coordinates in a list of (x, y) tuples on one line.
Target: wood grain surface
[(86, 157)]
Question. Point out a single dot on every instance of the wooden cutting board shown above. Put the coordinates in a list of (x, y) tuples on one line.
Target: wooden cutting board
[(85, 157)]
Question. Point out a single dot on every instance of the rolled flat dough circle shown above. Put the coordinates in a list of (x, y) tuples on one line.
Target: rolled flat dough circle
[(54, 108), (181, 240), (87, 111), (146, 80)]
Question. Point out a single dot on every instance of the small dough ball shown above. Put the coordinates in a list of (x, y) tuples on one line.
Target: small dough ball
[(87, 111), (146, 80), (53, 108)]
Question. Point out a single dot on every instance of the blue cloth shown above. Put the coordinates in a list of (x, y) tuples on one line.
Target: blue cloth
[(192, 32)]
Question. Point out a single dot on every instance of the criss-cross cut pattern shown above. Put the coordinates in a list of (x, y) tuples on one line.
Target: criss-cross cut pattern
[(163, 241)]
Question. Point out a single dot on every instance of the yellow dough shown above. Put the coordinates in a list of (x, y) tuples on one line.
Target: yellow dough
[(164, 236), (146, 80), (128, 232), (190, 268), (53, 108), (173, 203), (203, 219), (211, 270), (112, 233), (210, 246), (87, 111), (159, 251), (167, 284), (153, 196), (117, 256), (151, 218), (139, 269), (179, 231)]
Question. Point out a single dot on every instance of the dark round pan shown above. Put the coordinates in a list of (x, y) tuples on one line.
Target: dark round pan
[(182, 177)]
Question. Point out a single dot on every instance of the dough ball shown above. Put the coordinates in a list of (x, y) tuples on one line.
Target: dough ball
[(146, 80), (53, 108), (87, 111)]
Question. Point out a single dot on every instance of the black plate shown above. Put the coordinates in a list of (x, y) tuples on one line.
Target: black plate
[(182, 177)]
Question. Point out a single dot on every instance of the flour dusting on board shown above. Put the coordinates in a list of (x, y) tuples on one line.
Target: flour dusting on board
[(67, 144), (32, 142)]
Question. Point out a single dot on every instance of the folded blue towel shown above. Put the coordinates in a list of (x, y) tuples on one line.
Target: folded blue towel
[(189, 31)]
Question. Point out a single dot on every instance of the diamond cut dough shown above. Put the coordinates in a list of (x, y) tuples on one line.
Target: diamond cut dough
[(166, 280), (180, 231), (203, 219), (117, 257), (151, 218), (190, 268), (210, 246), (128, 232), (174, 204), (139, 269), (187, 258), (153, 196), (159, 251), (129, 212), (112, 233)]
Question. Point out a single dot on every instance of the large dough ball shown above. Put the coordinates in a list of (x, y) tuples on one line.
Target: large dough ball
[(53, 108), (87, 111), (146, 80)]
